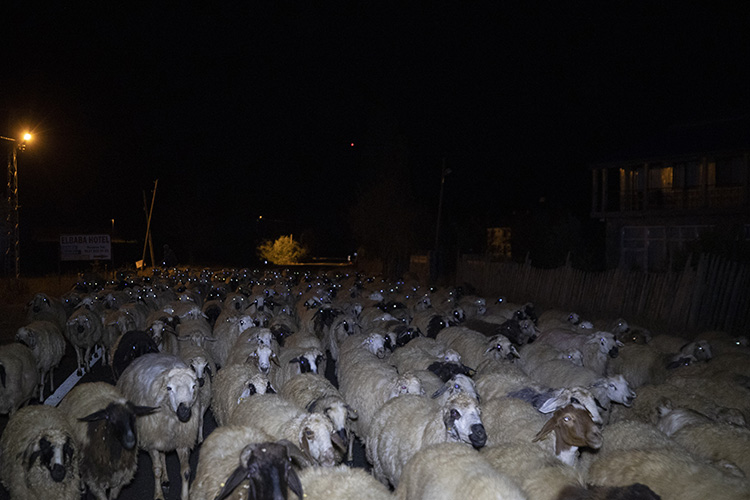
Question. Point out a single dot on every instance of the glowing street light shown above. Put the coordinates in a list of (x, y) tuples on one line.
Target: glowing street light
[(12, 221)]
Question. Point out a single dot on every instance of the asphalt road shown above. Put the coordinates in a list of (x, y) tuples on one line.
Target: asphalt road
[(142, 486)]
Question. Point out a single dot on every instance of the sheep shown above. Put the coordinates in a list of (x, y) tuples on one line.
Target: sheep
[(47, 344), (341, 483), (558, 373), (304, 339), (342, 326), (519, 331), (537, 473), (164, 381), (19, 377), (281, 419), (533, 355), (116, 323), (706, 438), (44, 307), (645, 406), (671, 474), (447, 471), (165, 337), (282, 325), (103, 425), (317, 394), (199, 360), (84, 330), (406, 424), (421, 353), (475, 347), (225, 334), (366, 382), (721, 342), (510, 420), (38, 455), (234, 384), (195, 330), (596, 347), (294, 360), (232, 455), (498, 381), (430, 322)]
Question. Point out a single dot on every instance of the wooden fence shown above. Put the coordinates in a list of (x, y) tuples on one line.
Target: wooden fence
[(714, 294)]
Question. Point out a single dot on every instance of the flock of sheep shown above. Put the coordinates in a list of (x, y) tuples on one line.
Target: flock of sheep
[(453, 395)]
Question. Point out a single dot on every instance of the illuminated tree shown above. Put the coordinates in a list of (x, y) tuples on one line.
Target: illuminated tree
[(283, 251)]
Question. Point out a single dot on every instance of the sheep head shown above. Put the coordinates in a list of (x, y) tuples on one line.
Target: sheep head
[(268, 467), (53, 451), (607, 343), (120, 418), (317, 439), (463, 422), (501, 348), (180, 391)]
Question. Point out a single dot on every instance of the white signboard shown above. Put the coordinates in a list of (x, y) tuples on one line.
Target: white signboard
[(85, 247)]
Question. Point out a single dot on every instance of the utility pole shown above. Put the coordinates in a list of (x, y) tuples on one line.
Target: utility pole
[(149, 211)]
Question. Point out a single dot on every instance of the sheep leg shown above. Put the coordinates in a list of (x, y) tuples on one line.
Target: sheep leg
[(184, 456), (79, 360), (350, 450), (157, 459)]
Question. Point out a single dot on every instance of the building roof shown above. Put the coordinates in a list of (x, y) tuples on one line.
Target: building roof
[(729, 135)]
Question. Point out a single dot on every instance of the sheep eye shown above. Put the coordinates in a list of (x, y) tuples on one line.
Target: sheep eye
[(456, 386), (566, 418), (169, 388)]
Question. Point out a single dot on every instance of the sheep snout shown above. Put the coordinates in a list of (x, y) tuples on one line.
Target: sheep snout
[(478, 436)]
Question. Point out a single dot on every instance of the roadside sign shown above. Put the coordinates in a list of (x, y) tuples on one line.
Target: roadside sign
[(85, 247)]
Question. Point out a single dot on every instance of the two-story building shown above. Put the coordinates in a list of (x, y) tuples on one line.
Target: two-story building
[(660, 195)]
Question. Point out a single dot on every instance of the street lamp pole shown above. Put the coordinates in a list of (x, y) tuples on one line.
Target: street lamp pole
[(12, 221)]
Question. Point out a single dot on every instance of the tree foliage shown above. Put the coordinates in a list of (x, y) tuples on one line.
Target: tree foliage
[(283, 251)]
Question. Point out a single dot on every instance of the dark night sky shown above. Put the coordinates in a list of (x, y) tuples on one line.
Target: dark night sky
[(247, 110)]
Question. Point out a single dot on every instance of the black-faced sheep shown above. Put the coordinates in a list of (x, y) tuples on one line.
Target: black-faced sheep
[(128, 347), (44, 307), (164, 381), (38, 455), (104, 429), (232, 455)]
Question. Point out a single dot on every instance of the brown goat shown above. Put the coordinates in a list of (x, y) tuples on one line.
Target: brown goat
[(573, 428)]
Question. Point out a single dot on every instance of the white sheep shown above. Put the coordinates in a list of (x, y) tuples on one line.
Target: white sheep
[(116, 323), (44, 307), (195, 330), (231, 449), (406, 424), (38, 455), (422, 352), (341, 483), (705, 438), (296, 360), (366, 382), (596, 347), (232, 385), (164, 381), (19, 376), (447, 471), (225, 334), (103, 425), (47, 344), (316, 394), (475, 347), (199, 360), (533, 355), (343, 326), (84, 330), (672, 474), (281, 419), (539, 474)]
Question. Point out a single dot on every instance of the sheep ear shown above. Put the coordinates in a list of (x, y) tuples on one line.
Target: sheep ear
[(293, 482), (2, 375), (295, 454), (233, 481), (440, 391), (270, 389), (275, 359), (306, 445), (141, 411), (353, 415), (338, 442)]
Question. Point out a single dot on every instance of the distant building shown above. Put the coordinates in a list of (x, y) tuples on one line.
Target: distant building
[(660, 195)]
